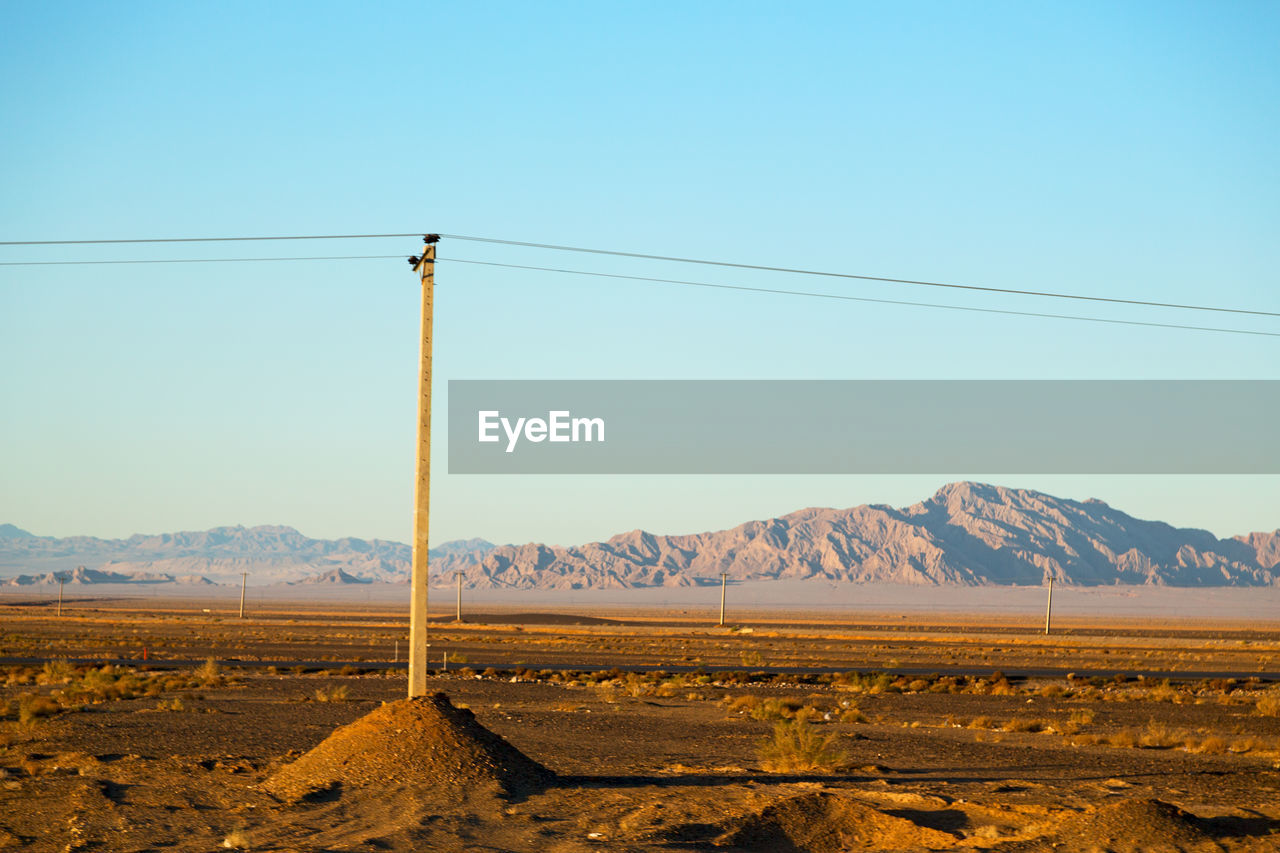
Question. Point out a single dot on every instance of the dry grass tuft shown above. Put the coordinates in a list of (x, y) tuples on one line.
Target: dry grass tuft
[(798, 747), (333, 693), (32, 706)]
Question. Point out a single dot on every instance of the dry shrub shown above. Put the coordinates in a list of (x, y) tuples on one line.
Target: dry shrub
[(55, 672), (32, 706), (1268, 705), (810, 714), (1158, 736), (741, 704), (1083, 716), (333, 693), (776, 709), (852, 715), (798, 747), (1212, 745), (864, 682), (1246, 744), (1026, 724), (982, 723), (1124, 738), (16, 676), (209, 673)]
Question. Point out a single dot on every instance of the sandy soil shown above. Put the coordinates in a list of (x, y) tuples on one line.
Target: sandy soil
[(163, 759)]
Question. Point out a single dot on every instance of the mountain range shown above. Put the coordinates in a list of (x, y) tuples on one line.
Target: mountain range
[(971, 534)]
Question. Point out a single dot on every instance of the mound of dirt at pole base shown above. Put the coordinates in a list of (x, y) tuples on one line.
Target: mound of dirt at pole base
[(423, 744)]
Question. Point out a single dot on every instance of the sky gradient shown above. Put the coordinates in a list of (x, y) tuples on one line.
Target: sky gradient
[(1100, 148)]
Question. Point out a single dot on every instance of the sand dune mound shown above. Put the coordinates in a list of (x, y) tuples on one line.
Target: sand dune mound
[(424, 744), (1133, 825), (827, 823)]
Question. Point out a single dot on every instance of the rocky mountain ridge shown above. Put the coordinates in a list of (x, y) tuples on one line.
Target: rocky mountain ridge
[(971, 534)]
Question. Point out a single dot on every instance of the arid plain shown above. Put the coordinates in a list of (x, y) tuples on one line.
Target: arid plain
[(637, 730)]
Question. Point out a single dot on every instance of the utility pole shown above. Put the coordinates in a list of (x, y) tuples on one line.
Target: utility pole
[(724, 578), (1048, 609), (458, 575), (61, 581), (425, 266), (244, 579)]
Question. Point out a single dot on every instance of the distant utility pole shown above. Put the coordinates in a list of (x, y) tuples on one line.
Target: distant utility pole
[(425, 266), (244, 579), (1048, 609), (724, 578), (61, 581), (458, 575)]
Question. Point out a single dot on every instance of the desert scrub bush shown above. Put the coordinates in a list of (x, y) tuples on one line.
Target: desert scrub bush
[(17, 676), (1083, 716), (1124, 738), (741, 704), (1077, 720), (797, 747), (1026, 724), (209, 673), (1002, 687), (174, 704), (32, 706), (333, 693), (1158, 736), (55, 672), (1163, 692), (981, 723), (810, 714), (776, 709), (864, 682), (1211, 745), (852, 715), (1268, 705)]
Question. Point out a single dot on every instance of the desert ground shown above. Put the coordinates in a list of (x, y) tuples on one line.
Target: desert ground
[(576, 729)]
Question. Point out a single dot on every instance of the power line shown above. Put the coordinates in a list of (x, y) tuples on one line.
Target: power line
[(195, 260), (666, 258), (778, 291), (202, 239), (798, 271), (846, 298)]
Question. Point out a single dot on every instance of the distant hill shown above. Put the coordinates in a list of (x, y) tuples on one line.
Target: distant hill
[(971, 534), (967, 533), (269, 554)]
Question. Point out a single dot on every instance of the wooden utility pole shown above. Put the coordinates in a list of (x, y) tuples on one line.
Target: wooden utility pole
[(61, 581), (425, 266), (1048, 609), (244, 579), (724, 578), (458, 575)]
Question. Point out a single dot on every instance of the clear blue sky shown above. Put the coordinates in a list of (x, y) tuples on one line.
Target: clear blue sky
[(1105, 148)]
